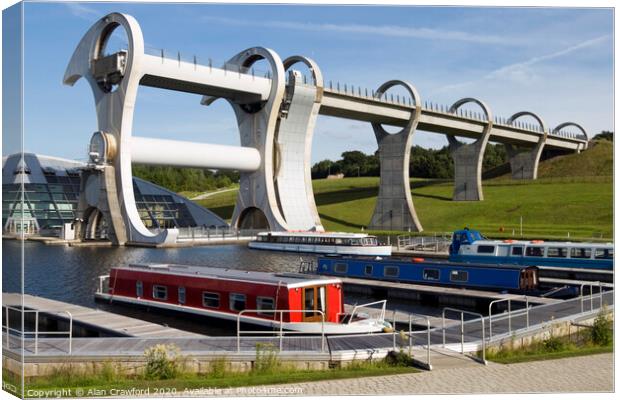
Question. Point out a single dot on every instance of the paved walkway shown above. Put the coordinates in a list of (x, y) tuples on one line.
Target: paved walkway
[(575, 374)]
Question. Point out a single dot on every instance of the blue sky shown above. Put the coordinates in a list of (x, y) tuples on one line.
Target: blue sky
[(556, 62)]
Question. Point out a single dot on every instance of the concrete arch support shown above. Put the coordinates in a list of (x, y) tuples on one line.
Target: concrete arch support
[(300, 109), (115, 108), (524, 162), (576, 125), (257, 127), (468, 157), (394, 209)]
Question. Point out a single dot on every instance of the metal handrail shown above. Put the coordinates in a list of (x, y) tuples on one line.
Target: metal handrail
[(281, 331), (36, 331), (527, 313), (381, 315), (462, 312), (600, 294), (102, 279), (413, 317)]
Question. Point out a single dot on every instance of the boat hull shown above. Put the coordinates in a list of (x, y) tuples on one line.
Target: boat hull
[(384, 251), (312, 328)]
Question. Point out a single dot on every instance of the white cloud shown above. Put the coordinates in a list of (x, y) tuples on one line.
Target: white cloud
[(380, 30), (82, 11), (522, 72)]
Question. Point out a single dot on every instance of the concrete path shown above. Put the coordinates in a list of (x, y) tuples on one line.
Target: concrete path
[(576, 374), (209, 194)]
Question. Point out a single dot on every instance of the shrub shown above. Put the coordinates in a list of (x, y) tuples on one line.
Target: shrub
[(218, 367), (266, 358), (398, 359), (554, 344), (602, 333), (162, 362)]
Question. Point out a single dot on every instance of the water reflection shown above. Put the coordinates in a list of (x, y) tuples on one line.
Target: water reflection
[(70, 274)]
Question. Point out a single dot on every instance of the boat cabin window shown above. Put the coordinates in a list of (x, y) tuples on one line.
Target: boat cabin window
[(210, 300), (265, 303), (181, 295), (139, 289), (517, 250), (557, 252), (368, 270), (237, 302), (369, 241), (160, 292), (535, 251), (431, 274), (390, 271), (580, 252), (486, 249), (458, 276), (606, 254), (340, 268)]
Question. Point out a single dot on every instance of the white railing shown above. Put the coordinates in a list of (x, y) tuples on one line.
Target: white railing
[(600, 294), (358, 307), (6, 327), (510, 314), (427, 243), (281, 332), (462, 313), (103, 279), (413, 317)]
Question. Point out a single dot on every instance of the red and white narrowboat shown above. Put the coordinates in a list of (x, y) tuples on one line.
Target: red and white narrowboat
[(292, 302)]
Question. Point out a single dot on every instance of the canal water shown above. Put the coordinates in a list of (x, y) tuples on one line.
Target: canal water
[(70, 274)]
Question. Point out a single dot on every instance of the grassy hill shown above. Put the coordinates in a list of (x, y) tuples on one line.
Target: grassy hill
[(558, 203), (596, 161)]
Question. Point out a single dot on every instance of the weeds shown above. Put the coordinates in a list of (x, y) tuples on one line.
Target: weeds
[(162, 362), (266, 358)]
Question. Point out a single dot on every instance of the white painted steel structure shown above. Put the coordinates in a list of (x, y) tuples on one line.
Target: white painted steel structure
[(276, 122), (191, 154)]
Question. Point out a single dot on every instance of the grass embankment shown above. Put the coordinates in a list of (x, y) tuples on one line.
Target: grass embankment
[(106, 383), (550, 207), (574, 194), (596, 339)]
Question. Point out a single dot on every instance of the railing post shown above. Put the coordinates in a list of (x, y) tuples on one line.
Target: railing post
[(462, 334), (581, 296), (36, 332), (8, 328), (428, 342), (410, 335), (443, 327), (509, 317), (239, 332), (394, 330), (527, 314), (70, 331), (281, 334), (484, 356), (490, 322), (322, 332), (591, 297)]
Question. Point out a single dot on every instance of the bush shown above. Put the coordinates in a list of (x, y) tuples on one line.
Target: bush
[(162, 362), (398, 359), (554, 344), (266, 358), (602, 333)]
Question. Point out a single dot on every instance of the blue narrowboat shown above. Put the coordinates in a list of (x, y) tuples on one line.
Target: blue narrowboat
[(495, 277), (470, 246)]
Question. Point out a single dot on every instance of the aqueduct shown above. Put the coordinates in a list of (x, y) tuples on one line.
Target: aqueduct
[(276, 115)]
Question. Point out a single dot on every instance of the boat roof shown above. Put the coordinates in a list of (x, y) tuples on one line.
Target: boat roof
[(341, 235), (544, 243), (290, 280), (422, 263)]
